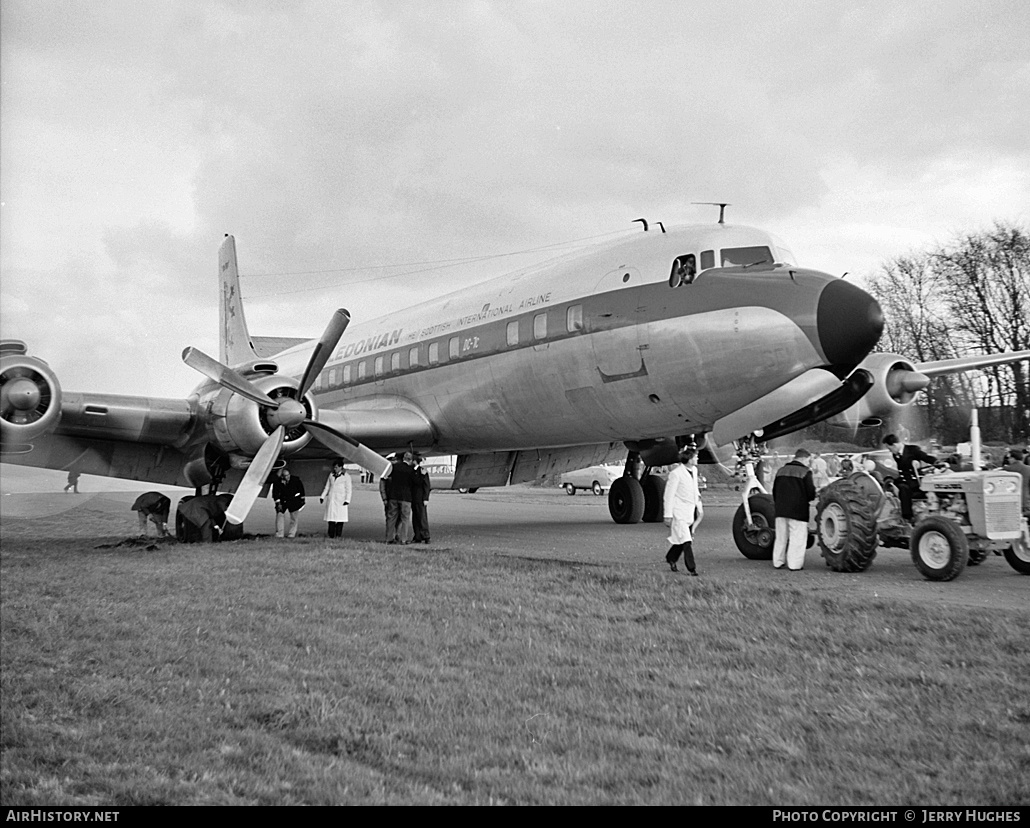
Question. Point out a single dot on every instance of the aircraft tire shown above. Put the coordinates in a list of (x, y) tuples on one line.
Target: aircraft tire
[(940, 550), (626, 500), (846, 527), (654, 499), (570, 490), (1018, 555), (756, 544)]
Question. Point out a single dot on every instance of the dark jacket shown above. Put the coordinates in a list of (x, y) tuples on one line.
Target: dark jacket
[(793, 490), (906, 464), (288, 496), (400, 482), (422, 487)]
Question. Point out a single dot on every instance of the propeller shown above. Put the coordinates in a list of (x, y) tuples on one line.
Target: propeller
[(285, 414)]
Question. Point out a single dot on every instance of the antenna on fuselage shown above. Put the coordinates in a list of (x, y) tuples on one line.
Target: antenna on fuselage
[(660, 225), (722, 205), (643, 222)]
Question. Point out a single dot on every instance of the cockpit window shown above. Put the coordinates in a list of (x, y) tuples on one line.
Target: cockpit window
[(745, 256), (684, 269)]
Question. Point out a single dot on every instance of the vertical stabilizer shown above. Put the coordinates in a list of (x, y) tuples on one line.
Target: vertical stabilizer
[(234, 344)]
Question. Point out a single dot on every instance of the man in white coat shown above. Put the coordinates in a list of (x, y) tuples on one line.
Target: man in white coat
[(683, 510), (336, 497)]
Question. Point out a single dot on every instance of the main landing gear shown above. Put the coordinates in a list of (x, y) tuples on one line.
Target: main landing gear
[(638, 495)]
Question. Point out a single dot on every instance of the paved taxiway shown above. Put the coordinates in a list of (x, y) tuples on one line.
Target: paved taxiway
[(546, 523)]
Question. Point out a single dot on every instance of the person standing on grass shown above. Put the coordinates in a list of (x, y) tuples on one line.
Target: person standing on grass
[(336, 496), (683, 510), (420, 502), (793, 490), (73, 481), (288, 493), (398, 507)]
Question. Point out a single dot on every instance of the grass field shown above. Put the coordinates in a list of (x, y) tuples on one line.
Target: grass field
[(265, 672)]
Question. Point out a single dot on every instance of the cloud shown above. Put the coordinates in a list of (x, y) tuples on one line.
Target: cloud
[(330, 138)]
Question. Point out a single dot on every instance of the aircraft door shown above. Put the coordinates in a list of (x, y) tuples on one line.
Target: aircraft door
[(620, 339)]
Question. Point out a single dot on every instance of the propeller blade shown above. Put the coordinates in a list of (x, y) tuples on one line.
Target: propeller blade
[(226, 377), (254, 479), (324, 349), (348, 448)]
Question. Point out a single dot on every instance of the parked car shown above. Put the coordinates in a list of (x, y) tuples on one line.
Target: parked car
[(597, 479)]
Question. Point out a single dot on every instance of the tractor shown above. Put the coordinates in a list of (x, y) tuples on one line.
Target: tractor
[(964, 517)]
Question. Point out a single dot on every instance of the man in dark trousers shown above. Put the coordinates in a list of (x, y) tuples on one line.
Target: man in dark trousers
[(420, 502), (793, 491), (908, 478), (288, 494), (399, 487)]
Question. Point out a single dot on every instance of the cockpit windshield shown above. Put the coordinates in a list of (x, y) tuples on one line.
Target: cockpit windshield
[(746, 256)]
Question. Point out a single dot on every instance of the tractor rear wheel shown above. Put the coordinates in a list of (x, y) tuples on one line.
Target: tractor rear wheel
[(846, 527)]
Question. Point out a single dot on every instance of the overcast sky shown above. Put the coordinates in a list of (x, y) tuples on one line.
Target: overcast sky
[(336, 138)]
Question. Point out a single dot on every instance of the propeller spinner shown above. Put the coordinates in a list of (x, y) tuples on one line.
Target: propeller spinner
[(283, 415)]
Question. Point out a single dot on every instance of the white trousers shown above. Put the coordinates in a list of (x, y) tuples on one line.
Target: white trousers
[(791, 541), (280, 525)]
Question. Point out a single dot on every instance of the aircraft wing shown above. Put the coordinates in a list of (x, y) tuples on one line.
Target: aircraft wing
[(897, 382), (112, 435), (951, 366)]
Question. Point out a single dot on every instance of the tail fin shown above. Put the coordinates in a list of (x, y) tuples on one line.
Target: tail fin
[(234, 339)]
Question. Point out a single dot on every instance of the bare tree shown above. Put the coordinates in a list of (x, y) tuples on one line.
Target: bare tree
[(914, 301), (987, 285), (972, 296)]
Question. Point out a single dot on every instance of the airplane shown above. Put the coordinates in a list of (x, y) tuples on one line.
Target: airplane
[(629, 350)]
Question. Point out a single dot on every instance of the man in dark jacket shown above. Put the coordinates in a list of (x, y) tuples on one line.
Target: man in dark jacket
[(420, 502), (288, 494), (908, 478), (398, 507), (793, 491)]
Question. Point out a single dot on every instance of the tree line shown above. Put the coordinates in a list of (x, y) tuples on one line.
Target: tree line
[(967, 297)]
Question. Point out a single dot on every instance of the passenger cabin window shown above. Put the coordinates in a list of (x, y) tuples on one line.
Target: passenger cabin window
[(540, 326), (452, 347), (434, 353), (395, 361), (745, 256), (707, 259), (684, 269), (362, 369), (413, 357), (379, 366), (332, 377), (346, 375), (512, 333), (574, 318)]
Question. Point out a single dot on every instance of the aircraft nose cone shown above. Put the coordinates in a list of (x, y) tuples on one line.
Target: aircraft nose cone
[(849, 322)]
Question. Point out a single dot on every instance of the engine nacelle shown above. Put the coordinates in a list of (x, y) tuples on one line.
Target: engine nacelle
[(30, 396), (896, 384), (239, 425)]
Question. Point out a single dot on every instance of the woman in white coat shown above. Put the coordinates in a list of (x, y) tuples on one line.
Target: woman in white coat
[(683, 510), (336, 497)]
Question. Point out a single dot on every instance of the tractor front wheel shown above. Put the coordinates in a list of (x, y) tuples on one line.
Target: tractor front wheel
[(940, 550)]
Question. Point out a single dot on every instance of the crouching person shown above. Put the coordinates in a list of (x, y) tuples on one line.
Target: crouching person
[(153, 507)]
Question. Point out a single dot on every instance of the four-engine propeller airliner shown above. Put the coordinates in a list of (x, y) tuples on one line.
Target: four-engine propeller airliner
[(698, 334)]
